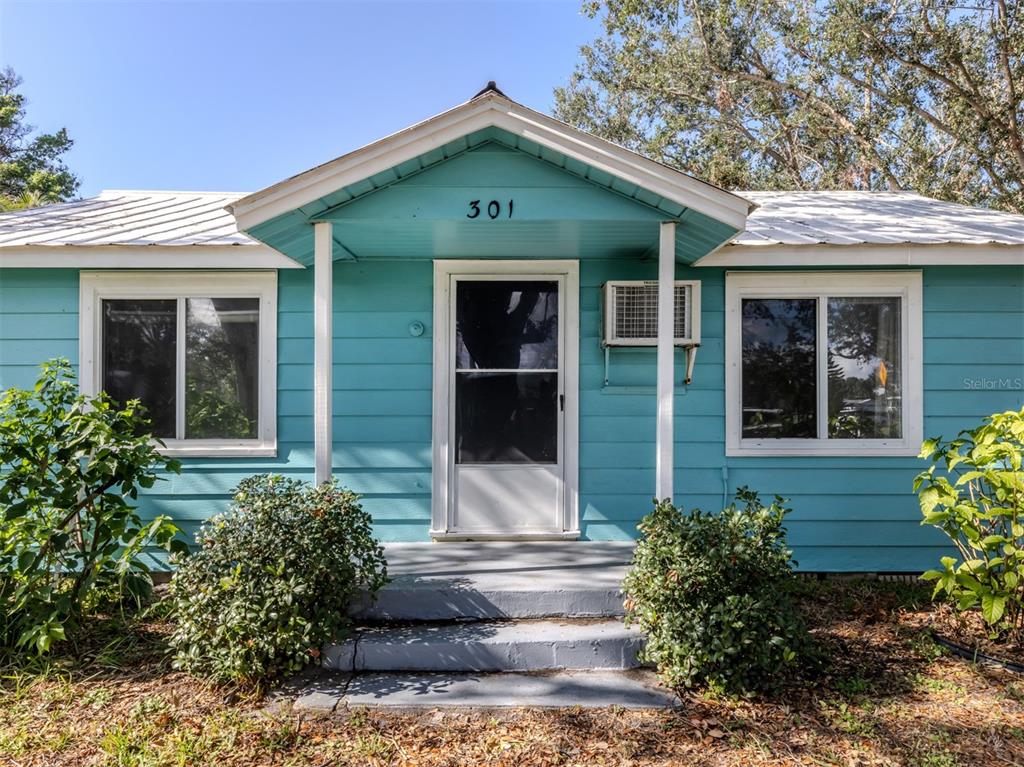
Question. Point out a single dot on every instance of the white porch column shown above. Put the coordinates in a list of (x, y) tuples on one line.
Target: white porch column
[(666, 359), (323, 332)]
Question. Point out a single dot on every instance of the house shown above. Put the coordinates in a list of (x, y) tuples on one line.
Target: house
[(495, 326)]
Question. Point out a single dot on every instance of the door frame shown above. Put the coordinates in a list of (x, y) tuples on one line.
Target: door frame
[(442, 449)]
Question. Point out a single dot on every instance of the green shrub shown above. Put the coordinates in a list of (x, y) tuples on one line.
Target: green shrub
[(712, 593), (978, 501), (69, 465), (272, 579)]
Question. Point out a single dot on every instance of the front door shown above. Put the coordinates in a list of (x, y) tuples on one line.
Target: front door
[(507, 404)]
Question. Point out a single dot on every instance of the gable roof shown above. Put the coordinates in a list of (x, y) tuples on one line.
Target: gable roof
[(491, 109)]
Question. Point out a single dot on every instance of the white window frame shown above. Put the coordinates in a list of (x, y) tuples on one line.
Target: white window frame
[(96, 286), (905, 285)]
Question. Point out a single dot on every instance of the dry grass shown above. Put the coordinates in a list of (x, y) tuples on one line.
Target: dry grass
[(889, 697)]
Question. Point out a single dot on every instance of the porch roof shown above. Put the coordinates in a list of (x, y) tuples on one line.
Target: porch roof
[(280, 215)]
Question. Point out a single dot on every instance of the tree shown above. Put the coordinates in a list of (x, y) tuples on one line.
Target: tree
[(923, 95), (31, 169)]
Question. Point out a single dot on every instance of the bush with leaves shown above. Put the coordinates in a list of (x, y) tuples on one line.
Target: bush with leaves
[(713, 595), (69, 467), (272, 579), (977, 499)]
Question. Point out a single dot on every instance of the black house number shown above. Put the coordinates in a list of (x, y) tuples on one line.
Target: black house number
[(493, 209)]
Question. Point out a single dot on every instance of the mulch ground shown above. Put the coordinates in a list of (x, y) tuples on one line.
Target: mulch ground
[(889, 696), (968, 630)]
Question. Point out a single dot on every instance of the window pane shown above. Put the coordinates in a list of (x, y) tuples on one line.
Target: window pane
[(865, 390), (778, 368), (222, 368), (506, 417), (506, 325), (139, 340)]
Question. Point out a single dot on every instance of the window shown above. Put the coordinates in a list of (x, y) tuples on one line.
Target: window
[(823, 363), (197, 349)]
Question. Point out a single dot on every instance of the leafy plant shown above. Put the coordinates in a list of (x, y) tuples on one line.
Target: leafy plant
[(712, 593), (69, 467), (978, 502), (272, 579)]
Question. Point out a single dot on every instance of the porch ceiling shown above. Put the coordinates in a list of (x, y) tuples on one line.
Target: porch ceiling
[(589, 213)]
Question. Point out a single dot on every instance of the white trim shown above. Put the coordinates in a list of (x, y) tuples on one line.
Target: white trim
[(693, 306), (323, 340), (666, 361), (490, 110), (95, 286), (903, 284), (568, 535), (865, 254), (444, 271), (255, 256)]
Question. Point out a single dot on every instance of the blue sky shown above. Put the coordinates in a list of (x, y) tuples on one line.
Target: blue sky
[(234, 96)]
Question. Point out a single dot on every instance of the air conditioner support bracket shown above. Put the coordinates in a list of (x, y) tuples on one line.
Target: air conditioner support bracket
[(691, 357)]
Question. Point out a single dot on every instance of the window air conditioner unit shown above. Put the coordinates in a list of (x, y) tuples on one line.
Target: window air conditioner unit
[(631, 313)]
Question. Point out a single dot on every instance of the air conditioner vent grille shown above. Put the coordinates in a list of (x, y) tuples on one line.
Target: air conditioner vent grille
[(632, 313)]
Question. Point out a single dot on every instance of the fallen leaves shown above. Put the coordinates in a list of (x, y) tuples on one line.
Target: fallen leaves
[(890, 699)]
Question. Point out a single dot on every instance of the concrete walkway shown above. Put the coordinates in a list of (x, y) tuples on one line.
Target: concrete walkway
[(329, 693)]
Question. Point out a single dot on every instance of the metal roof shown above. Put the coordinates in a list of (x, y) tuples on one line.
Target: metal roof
[(131, 218), (872, 218), (136, 218)]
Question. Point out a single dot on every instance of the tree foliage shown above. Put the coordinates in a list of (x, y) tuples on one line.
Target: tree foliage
[(70, 467), (796, 94), (32, 171)]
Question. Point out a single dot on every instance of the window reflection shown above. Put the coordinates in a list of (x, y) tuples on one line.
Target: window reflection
[(139, 341), (506, 325), (865, 387), (221, 367), (779, 368), (506, 418)]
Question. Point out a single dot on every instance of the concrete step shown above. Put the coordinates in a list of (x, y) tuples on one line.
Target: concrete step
[(416, 690), (410, 599), (489, 646), (489, 580)]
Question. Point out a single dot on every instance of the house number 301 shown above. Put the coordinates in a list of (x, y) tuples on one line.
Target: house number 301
[(493, 209)]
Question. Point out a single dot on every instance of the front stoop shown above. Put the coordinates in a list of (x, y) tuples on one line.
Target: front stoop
[(334, 694), (493, 580), (490, 646)]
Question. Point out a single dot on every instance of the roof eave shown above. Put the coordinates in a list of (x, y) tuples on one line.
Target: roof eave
[(194, 256), (738, 254)]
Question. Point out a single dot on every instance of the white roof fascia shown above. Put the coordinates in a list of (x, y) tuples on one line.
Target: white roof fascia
[(867, 254), (145, 257), (490, 110)]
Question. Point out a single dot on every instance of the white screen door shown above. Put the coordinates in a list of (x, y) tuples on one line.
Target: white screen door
[(507, 404)]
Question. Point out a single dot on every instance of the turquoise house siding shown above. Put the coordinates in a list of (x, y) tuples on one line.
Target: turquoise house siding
[(850, 513), (38, 321)]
